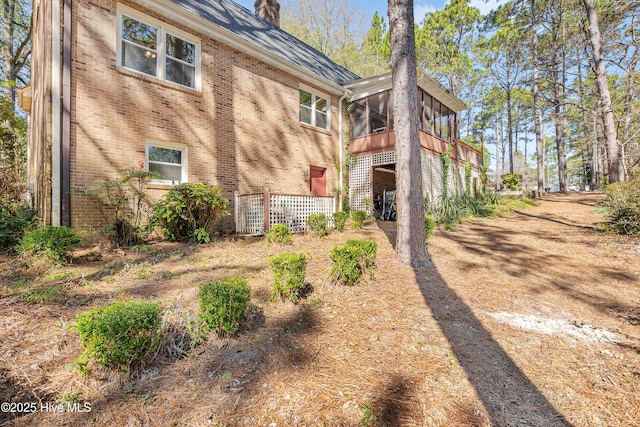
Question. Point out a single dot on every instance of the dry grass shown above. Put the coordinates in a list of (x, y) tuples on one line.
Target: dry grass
[(530, 319)]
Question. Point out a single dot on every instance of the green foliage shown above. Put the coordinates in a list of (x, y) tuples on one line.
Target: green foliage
[(429, 225), (452, 210), (339, 220), (223, 304), (13, 155), (446, 163), (14, 222), (622, 205), (121, 333), (289, 272), (123, 205), (189, 207), (358, 218), (280, 234), (318, 224), (55, 243), (512, 180), (350, 261), (467, 178)]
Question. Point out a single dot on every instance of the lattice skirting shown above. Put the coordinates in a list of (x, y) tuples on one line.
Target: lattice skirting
[(292, 210)]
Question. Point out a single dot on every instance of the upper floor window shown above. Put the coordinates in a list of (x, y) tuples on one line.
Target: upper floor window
[(314, 109), (149, 47)]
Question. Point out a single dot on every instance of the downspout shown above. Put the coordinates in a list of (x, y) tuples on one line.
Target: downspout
[(66, 115), (55, 112), (341, 146)]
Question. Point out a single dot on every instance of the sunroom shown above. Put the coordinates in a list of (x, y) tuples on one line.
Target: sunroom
[(371, 143)]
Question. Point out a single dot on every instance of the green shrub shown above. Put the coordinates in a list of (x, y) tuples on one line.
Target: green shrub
[(13, 225), (350, 261), (512, 180), (339, 220), (279, 233), (54, 243), (429, 225), (318, 224), (191, 210), (123, 205), (358, 218), (289, 272), (622, 205), (121, 333), (223, 304)]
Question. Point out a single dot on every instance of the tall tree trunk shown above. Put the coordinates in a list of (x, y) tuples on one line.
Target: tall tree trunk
[(536, 101), (510, 126), (410, 242), (616, 168)]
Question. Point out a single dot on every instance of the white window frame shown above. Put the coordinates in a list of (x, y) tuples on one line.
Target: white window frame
[(314, 96), (170, 146), (163, 30)]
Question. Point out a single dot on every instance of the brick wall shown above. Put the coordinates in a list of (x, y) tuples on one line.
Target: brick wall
[(241, 129)]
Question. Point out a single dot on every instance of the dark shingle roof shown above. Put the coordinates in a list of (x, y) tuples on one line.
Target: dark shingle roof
[(258, 31)]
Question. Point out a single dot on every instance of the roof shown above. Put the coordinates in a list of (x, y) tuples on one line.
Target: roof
[(261, 33), (365, 87)]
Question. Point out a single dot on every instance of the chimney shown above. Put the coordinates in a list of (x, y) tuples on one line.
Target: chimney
[(269, 10)]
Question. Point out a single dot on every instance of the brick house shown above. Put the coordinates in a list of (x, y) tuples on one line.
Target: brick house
[(198, 90)]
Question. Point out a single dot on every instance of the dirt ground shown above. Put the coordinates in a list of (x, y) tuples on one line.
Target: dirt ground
[(528, 320)]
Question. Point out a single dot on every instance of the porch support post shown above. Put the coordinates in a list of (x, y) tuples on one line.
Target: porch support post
[(266, 210)]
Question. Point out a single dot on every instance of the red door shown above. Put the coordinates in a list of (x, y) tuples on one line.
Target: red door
[(318, 180)]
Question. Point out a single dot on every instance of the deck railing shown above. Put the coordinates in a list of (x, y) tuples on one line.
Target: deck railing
[(256, 213)]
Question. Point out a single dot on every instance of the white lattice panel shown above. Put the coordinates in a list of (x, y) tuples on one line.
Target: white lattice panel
[(383, 158), (250, 214), (427, 178), (359, 182), (436, 174), (294, 210)]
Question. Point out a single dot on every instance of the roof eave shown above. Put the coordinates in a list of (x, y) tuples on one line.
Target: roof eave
[(176, 13), (376, 84)]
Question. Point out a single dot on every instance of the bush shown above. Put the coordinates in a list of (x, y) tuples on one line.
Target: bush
[(350, 261), (429, 225), (13, 225), (289, 272), (121, 333), (622, 205), (54, 243), (279, 233), (339, 220), (223, 304), (318, 224), (512, 180), (358, 218), (123, 205), (191, 210)]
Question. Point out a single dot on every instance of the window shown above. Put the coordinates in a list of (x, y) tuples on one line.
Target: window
[(169, 161), (436, 118), (428, 113), (148, 47), (358, 118), (314, 109), (378, 113), (445, 123)]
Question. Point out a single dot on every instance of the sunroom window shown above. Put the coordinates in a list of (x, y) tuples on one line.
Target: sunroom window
[(168, 161), (151, 48), (314, 109)]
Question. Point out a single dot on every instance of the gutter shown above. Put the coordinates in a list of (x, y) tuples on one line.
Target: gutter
[(66, 115), (55, 112), (346, 93)]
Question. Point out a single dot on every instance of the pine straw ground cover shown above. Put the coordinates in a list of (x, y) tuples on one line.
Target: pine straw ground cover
[(532, 319)]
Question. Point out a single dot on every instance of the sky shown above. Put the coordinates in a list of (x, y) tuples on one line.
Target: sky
[(369, 7)]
